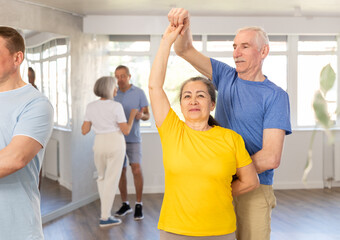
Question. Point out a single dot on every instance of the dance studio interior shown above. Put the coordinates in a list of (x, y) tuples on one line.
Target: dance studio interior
[(71, 43)]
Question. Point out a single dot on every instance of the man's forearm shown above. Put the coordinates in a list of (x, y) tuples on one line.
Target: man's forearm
[(183, 43), (17, 154), (9, 162), (269, 156), (265, 160)]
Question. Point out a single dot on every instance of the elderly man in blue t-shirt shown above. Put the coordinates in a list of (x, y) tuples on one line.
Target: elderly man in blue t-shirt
[(26, 121), (251, 105), (131, 97)]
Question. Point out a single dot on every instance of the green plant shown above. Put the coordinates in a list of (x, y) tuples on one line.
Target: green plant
[(322, 115)]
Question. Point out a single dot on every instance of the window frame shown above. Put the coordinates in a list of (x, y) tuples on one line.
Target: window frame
[(335, 52), (48, 60), (291, 54)]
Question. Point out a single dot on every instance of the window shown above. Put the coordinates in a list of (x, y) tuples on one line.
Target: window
[(275, 64), (303, 56), (313, 54), (275, 68), (216, 43), (129, 43), (178, 71), (133, 52), (51, 63)]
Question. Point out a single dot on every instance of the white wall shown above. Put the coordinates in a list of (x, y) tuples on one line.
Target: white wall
[(289, 174), (336, 166), (152, 165), (210, 25)]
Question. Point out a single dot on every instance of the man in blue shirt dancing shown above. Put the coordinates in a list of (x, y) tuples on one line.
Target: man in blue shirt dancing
[(132, 97), (253, 106)]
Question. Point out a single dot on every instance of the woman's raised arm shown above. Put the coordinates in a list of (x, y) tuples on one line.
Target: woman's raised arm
[(159, 101)]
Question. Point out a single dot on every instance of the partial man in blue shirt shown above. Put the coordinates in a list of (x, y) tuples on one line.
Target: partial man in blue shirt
[(251, 105), (132, 97), (26, 121)]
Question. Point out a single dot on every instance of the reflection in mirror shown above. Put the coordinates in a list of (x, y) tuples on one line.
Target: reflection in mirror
[(48, 55)]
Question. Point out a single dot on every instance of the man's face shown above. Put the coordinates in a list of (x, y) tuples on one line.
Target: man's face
[(247, 56), (123, 79), (7, 65)]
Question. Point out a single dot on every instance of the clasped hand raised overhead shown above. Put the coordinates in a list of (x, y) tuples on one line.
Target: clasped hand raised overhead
[(171, 33), (179, 16)]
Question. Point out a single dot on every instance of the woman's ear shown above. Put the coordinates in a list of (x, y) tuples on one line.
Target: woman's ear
[(212, 107)]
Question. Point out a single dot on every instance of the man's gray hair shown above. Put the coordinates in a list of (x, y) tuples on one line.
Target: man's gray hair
[(261, 35), (104, 87)]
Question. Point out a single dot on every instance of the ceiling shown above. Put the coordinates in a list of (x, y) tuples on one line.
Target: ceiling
[(196, 7)]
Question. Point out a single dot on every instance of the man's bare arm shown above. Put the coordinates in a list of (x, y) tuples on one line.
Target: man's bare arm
[(17, 154), (183, 44), (269, 157)]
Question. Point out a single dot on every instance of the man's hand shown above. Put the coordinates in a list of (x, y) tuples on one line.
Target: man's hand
[(179, 16), (139, 115), (143, 114)]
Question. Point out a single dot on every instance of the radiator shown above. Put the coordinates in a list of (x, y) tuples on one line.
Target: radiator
[(50, 167), (337, 156)]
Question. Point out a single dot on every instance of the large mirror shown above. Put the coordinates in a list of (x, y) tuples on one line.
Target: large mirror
[(48, 55)]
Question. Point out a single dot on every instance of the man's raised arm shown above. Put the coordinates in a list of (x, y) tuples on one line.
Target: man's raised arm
[(183, 45)]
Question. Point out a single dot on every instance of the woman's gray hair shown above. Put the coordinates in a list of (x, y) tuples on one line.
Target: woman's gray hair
[(104, 87), (261, 35)]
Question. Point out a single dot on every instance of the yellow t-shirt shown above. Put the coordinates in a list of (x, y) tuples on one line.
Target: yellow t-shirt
[(198, 172)]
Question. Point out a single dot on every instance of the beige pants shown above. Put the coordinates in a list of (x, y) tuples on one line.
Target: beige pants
[(170, 236), (253, 213), (109, 152)]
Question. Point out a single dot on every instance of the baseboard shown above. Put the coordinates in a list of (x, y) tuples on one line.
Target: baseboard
[(298, 185), (51, 176), (332, 184), (69, 208), (65, 184), (146, 189)]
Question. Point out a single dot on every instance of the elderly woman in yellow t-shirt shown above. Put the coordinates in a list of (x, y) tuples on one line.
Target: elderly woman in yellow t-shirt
[(200, 158)]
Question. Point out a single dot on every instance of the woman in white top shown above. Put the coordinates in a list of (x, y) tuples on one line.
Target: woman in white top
[(108, 121)]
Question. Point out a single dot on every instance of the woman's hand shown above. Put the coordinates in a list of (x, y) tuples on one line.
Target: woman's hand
[(86, 127), (171, 33), (133, 113), (126, 127)]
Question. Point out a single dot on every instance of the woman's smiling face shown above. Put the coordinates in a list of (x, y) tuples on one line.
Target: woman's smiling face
[(196, 103)]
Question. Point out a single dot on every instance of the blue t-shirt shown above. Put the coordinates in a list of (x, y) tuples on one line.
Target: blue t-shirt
[(249, 107), (134, 98), (24, 111)]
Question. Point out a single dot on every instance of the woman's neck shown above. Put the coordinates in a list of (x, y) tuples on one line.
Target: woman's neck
[(198, 126)]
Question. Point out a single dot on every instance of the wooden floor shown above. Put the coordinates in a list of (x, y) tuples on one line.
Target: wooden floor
[(299, 215), (53, 196), (312, 214)]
